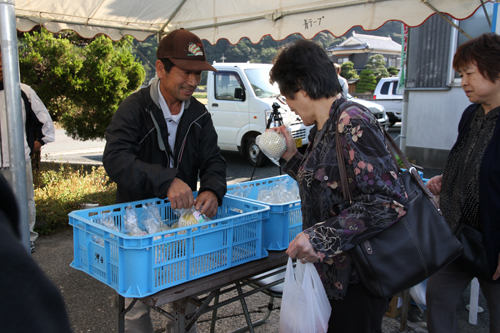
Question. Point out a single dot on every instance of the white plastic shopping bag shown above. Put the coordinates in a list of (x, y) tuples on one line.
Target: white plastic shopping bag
[(304, 307)]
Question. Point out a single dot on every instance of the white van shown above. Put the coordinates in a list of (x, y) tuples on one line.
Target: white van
[(240, 99), (387, 94)]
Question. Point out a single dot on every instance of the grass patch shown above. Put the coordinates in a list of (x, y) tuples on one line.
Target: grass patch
[(63, 188), (200, 95)]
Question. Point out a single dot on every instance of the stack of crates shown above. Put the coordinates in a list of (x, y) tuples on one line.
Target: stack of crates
[(285, 219), (138, 266)]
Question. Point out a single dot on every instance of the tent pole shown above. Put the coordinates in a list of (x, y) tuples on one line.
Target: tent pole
[(495, 25), (15, 123), (141, 54), (162, 29), (486, 13), (447, 19)]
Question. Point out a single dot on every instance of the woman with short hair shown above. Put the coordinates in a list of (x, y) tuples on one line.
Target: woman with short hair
[(332, 225), (469, 188)]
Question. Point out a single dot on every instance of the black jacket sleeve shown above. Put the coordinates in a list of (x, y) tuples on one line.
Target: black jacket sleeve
[(212, 164), (132, 158)]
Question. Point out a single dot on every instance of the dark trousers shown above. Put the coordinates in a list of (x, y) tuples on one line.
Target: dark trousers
[(359, 312), (444, 296)]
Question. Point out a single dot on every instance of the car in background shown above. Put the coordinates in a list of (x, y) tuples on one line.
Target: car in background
[(240, 99), (375, 108), (388, 95)]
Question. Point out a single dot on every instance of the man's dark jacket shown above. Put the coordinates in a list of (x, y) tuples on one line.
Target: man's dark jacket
[(133, 159)]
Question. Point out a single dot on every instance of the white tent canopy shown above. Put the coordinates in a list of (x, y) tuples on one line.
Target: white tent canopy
[(209, 19), (229, 19)]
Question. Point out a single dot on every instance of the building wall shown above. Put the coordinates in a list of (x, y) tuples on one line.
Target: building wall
[(436, 100), (432, 129), (429, 54)]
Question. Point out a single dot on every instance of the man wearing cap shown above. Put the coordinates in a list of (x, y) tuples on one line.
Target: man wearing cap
[(161, 140)]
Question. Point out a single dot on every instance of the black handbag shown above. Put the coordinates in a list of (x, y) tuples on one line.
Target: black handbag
[(473, 259), (412, 249)]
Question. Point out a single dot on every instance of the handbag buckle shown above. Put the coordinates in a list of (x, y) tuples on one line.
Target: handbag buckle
[(368, 247)]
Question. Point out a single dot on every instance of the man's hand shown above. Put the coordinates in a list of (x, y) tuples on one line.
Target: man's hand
[(180, 195), (497, 272), (207, 203), (36, 146)]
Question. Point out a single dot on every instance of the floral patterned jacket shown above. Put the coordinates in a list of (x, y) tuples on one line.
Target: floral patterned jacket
[(332, 224)]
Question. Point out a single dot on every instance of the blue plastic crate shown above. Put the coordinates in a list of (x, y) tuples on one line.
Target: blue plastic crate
[(285, 220), (138, 266)]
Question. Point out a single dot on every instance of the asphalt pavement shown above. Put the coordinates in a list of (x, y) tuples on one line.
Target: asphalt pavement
[(91, 304)]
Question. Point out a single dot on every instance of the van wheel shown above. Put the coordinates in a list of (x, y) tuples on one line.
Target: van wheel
[(252, 152)]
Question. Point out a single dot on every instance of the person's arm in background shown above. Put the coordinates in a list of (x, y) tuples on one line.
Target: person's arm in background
[(42, 122), (345, 86), (434, 184)]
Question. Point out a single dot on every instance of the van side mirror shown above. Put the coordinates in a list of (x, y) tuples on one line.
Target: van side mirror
[(239, 94)]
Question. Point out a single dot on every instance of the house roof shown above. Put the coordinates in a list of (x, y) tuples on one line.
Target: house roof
[(366, 43)]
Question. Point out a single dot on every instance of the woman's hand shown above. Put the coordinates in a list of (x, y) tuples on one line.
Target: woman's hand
[(291, 148), (497, 272), (434, 184), (301, 248)]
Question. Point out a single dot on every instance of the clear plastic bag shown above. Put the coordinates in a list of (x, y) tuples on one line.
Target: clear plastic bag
[(132, 223), (281, 192), (151, 218), (190, 216), (241, 190), (304, 307), (272, 144), (105, 219)]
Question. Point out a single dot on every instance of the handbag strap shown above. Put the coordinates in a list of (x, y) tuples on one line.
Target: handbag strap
[(346, 191), (344, 183), (412, 169)]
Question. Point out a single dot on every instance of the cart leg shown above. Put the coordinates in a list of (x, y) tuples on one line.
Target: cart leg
[(122, 311), (180, 312), (245, 309), (121, 314), (214, 315), (259, 322), (406, 307)]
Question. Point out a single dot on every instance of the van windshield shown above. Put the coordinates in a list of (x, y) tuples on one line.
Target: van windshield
[(259, 79)]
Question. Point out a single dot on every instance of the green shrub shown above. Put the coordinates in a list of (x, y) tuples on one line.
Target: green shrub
[(367, 81), (61, 189), (347, 71), (400, 161), (392, 70), (200, 95)]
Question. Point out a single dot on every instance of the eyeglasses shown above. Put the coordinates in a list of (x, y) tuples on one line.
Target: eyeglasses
[(281, 99)]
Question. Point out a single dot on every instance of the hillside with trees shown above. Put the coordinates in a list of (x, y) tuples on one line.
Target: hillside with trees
[(262, 52), (223, 51)]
